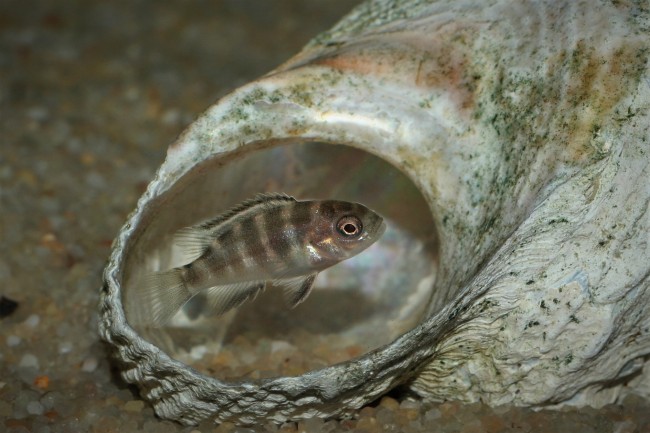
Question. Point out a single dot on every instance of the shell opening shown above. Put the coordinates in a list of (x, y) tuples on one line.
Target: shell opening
[(356, 306)]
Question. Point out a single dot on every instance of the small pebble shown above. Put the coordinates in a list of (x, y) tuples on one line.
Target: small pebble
[(367, 412), (310, 425), (281, 346), (448, 409), (134, 406), (51, 309), (42, 382), (33, 321), (65, 347), (35, 408), (13, 340), (171, 117), (89, 365), (367, 423), (95, 180), (198, 352), (38, 114), (225, 427), (501, 410), (409, 404), (29, 361), (389, 403), (52, 399), (432, 414), (384, 415), (404, 413)]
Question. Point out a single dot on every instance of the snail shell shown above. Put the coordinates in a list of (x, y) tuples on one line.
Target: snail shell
[(523, 130)]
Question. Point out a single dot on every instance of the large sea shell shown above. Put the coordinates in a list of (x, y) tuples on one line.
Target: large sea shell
[(506, 143)]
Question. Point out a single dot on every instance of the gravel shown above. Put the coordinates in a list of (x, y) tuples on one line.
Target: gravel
[(91, 94)]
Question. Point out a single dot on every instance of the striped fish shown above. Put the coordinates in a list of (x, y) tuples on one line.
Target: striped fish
[(270, 238)]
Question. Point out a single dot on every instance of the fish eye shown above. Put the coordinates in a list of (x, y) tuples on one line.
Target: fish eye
[(349, 226)]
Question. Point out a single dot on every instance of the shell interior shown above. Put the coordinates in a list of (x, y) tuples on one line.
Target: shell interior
[(364, 302)]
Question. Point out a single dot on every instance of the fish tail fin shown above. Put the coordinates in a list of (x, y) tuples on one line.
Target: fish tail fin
[(162, 294)]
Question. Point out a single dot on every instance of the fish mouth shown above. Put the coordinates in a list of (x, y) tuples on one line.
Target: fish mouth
[(382, 228), (377, 230)]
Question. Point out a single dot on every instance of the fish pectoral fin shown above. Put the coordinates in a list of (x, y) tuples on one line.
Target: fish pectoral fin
[(297, 289), (193, 242), (224, 298)]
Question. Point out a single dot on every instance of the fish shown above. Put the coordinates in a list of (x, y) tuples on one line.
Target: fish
[(270, 238)]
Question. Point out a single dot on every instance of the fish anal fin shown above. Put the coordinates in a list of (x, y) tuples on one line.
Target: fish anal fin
[(297, 289), (224, 298)]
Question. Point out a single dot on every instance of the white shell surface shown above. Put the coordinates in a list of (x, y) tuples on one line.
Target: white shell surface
[(525, 127)]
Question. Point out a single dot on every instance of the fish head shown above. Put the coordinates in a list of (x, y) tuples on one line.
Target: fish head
[(344, 229)]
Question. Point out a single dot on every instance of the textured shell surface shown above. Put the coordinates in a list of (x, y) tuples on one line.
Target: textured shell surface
[(524, 128)]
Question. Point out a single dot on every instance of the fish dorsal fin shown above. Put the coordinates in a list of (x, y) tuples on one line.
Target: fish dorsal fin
[(266, 200), (195, 240)]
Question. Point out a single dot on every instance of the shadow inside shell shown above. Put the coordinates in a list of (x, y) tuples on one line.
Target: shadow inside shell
[(324, 312), (356, 306)]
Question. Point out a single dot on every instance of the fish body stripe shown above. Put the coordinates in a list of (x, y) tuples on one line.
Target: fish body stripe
[(293, 221), (268, 254), (278, 241), (237, 249), (251, 236)]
